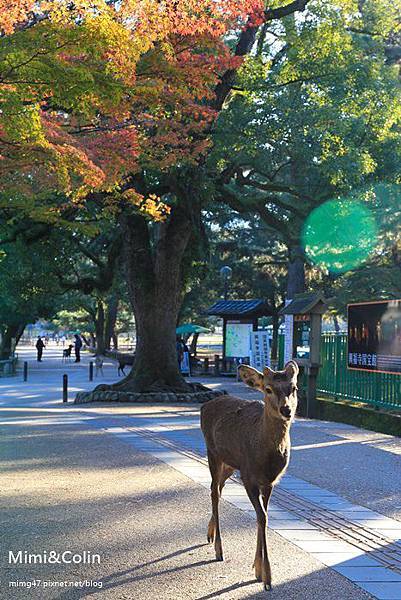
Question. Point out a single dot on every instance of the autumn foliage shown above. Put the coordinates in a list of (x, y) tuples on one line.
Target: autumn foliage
[(92, 91)]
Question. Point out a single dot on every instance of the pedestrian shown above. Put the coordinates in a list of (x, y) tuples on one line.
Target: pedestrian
[(77, 348), (39, 347), (63, 340), (180, 347)]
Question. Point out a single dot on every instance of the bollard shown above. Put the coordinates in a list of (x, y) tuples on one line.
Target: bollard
[(25, 371), (206, 366), (65, 388), (91, 371)]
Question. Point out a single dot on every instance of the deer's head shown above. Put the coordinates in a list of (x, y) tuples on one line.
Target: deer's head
[(278, 387)]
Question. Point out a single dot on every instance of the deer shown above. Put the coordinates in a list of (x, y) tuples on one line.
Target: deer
[(252, 437)]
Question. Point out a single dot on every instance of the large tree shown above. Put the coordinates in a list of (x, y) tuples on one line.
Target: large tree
[(143, 149), (158, 256)]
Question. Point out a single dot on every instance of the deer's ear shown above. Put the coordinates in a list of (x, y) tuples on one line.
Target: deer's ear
[(268, 373), (251, 377), (291, 369)]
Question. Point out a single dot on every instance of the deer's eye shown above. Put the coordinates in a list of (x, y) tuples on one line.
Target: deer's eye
[(269, 390)]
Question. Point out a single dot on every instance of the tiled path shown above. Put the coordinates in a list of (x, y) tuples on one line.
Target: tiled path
[(335, 503), (358, 543)]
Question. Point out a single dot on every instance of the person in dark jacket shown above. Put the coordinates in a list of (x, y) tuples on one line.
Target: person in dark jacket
[(39, 347), (77, 348), (179, 344)]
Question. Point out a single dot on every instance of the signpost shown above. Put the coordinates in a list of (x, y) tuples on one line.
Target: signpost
[(302, 340), (374, 336), (288, 337)]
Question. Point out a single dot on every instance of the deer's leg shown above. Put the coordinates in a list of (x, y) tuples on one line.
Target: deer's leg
[(261, 563), (266, 493), (213, 530), (225, 474)]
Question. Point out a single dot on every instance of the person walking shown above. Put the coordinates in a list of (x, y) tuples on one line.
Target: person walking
[(180, 347), (77, 348), (39, 347)]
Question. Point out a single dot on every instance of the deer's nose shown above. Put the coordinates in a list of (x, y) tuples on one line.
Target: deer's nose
[(285, 411)]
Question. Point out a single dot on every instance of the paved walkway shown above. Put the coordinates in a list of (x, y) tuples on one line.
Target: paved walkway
[(130, 483)]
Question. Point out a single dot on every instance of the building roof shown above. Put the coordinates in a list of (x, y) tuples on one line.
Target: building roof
[(303, 304), (239, 308)]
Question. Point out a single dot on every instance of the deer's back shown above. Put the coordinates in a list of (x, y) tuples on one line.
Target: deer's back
[(231, 427)]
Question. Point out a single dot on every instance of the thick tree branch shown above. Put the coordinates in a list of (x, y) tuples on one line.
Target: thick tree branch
[(256, 208), (245, 44)]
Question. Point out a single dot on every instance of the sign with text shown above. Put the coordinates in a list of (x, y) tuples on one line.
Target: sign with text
[(238, 339), (374, 336), (260, 350)]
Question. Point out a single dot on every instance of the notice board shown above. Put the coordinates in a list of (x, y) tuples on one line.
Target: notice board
[(374, 336)]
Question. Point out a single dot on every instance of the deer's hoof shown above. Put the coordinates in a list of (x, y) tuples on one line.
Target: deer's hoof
[(219, 552)]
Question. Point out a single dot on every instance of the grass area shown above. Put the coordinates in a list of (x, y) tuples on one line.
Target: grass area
[(209, 344)]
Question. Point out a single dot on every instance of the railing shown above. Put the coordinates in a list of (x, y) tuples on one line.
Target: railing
[(338, 382), (379, 389)]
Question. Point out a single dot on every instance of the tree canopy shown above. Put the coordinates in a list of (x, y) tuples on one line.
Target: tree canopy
[(92, 91)]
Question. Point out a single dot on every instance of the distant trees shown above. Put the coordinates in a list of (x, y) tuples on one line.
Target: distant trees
[(28, 288)]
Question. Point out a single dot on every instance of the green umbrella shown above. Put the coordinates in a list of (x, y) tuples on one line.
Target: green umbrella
[(190, 328)]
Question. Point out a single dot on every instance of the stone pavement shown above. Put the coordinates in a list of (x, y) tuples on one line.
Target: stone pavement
[(131, 484)]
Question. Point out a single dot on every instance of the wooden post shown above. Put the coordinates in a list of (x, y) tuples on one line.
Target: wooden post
[(224, 337), (25, 371), (91, 371), (311, 400), (206, 365), (216, 364)]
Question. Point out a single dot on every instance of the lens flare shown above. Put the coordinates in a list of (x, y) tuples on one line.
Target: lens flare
[(339, 235)]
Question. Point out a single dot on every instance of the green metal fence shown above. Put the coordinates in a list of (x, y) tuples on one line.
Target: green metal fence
[(336, 381), (379, 389)]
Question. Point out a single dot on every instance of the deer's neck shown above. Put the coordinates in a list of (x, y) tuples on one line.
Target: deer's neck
[(276, 433)]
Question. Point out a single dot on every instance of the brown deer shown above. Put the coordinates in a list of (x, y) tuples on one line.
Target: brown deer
[(252, 437)]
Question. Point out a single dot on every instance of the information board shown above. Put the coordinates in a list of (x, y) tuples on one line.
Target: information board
[(374, 336), (238, 340)]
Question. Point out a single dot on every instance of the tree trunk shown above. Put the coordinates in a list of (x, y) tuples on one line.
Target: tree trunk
[(336, 324), (111, 318), (296, 271), (99, 328), (155, 277), (194, 344), (11, 332), (115, 340), (85, 339)]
